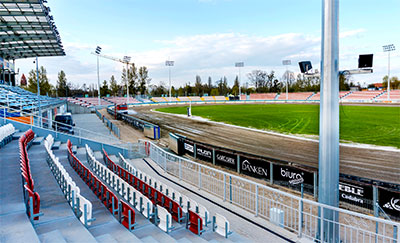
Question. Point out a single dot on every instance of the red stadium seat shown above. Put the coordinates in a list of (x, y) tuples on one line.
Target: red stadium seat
[(127, 217)]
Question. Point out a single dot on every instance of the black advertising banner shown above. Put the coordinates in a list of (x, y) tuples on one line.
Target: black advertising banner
[(226, 159), (204, 153), (255, 167), (356, 194), (389, 201), (293, 177), (188, 147)]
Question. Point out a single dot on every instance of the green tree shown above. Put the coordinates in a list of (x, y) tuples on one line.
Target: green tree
[(214, 92), (62, 86), (394, 82), (131, 78), (45, 86), (198, 87), (104, 89), (235, 87), (113, 86), (144, 79)]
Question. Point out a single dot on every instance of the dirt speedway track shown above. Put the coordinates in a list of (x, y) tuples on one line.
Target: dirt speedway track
[(369, 163)]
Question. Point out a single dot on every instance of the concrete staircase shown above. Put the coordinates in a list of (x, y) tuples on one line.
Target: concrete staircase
[(59, 223)]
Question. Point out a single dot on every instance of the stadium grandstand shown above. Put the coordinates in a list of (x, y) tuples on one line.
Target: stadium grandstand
[(90, 186)]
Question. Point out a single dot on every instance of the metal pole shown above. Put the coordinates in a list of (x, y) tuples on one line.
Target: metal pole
[(127, 85), (287, 81), (98, 78), (169, 74), (329, 120), (388, 90), (38, 91), (240, 81)]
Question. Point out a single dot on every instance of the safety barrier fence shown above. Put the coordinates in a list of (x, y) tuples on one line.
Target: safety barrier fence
[(150, 130), (306, 218), (355, 192), (109, 124)]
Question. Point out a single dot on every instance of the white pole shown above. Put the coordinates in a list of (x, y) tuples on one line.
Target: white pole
[(98, 79), (240, 81), (388, 90), (287, 85), (38, 91), (127, 85), (169, 74)]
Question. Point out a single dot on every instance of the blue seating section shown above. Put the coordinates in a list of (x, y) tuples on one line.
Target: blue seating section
[(20, 99)]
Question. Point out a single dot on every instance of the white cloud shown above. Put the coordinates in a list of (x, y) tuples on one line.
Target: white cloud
[(210, 55)]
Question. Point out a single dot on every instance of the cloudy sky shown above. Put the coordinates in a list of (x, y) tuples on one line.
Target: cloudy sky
[(206, 37)]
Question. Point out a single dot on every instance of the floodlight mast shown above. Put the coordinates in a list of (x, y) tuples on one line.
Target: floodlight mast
[(169, 64), (98, 51), (126, 60), (287, 63), (388, 49), (239, 65)]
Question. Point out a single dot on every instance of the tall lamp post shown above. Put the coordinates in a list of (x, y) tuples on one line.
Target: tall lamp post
[(388, 49), (98, 51), (38, 91), (169, 64), (126, 60), (287, 63), (239, 65)]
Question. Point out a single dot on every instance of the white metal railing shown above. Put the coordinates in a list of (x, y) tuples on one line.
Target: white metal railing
[(304, 217)]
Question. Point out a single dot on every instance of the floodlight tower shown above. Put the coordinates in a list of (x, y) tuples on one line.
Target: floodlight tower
[(169, 64), (388, 49), (239, 65), (287, 63), (126, 60), (98, 51)]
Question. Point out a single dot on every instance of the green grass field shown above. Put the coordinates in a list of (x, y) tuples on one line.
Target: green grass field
[(377, 125)]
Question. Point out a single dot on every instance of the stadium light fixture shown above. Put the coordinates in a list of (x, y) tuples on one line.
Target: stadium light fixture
[(239, 65), (287, 63), (388, 49), (126, 60), (98, 51), (169, 64)]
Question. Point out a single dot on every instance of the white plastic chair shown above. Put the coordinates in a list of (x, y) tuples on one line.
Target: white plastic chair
[(165, 219)]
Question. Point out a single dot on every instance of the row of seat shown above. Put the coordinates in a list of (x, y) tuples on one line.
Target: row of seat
[(107, 197), (31, 197), (172, 202), (80, 205), (219, 223), (6, 133)]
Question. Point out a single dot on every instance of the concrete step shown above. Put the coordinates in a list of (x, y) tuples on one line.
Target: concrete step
[(81, 150), (183, 240), (74, 149), (16, 227), (56, 145), (63, 146), (38, 140), (149, 239), (114, 158), (17, 135), (106, 238), (98, 155), (52, 236)]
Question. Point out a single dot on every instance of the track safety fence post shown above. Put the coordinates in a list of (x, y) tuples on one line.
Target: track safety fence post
[(224, 187), (213, 156), (271, 171), (315, 185), (256, 200)]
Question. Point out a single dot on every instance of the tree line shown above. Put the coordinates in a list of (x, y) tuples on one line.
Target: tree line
[(139, 83)]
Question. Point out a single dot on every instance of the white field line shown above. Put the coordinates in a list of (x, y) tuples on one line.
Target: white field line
[(297, 136)]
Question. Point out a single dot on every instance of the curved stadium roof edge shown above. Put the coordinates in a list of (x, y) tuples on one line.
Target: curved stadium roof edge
[(28, 30)]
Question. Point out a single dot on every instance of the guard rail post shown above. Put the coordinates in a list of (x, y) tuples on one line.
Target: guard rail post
[(271, 171)]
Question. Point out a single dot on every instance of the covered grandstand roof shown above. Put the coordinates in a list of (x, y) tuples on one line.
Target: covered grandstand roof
[(28, 30)]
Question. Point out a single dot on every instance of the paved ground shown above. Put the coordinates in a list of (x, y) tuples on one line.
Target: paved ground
[(94, 128), (127, 132), (363, 162)]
